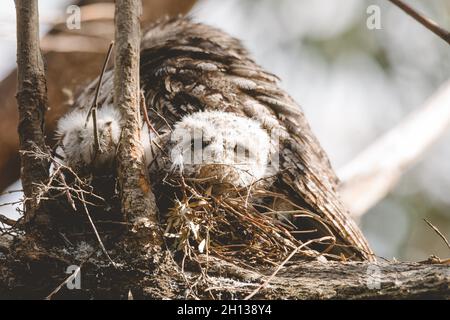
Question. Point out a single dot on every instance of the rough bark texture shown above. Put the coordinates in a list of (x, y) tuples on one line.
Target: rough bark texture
[(34, 267), (31, 99), (28, 271), (79, 69), (138, 203)]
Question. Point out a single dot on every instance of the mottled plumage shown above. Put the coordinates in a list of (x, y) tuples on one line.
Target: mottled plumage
[(221, 147), (188, 67), (75, 132)]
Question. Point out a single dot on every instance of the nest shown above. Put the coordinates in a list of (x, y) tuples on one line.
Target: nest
[(235, 225), (199, 217)]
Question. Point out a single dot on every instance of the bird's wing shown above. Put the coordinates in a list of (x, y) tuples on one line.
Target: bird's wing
[(188, 67)]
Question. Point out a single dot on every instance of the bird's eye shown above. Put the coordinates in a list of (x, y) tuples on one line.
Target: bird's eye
[(197, 142), (205, 143), (242, 150)]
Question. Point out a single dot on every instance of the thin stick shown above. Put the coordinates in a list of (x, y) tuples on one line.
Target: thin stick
[(11, 203), (423, 20), (58, 288), (96, 137), (100, 80), (93, 108), (438, 232), (10, 192), (96, 232), (69, 278), (149, 124), (7, 221), (266, 283), (146, 118)]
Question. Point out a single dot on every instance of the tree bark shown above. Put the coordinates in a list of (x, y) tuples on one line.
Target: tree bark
[(79, 68), (31, 267), (27, 271), (138, 202), (31, 100)]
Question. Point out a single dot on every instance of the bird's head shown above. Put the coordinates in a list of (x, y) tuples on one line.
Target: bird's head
[(77, 139), (221, 147)]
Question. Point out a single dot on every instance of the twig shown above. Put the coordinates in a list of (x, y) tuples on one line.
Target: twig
[(423, 20), (11, 203), (10, 192), (149, 124), (69, 278), (58, 288), (266, 283), (146, 118), (7, 221), (100, 80), (93, 108), (96, 232), (438, 232)]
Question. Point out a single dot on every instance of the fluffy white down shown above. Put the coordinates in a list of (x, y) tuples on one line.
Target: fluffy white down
[(215, 145), (221, 146), (77, 138)]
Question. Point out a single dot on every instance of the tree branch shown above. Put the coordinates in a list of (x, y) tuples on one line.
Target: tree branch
[(371, 175), (423, 20), (7, 221), (138, 203), (31, 100), (299, 280), (314, 280), (80, 67)]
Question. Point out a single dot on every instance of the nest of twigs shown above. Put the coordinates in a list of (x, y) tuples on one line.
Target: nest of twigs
[(232, 224), (197, 216)]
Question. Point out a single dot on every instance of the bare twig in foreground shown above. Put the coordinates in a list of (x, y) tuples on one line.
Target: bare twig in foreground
[(438, 232), (266, 283), (374, 173), (7, 221), (93, 109), (423, 20)]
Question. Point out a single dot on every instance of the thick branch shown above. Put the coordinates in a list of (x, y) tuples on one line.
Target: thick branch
[(302, 280), (31, 98), (80, 67), (316, 280), (375, 172), (138, 203)]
